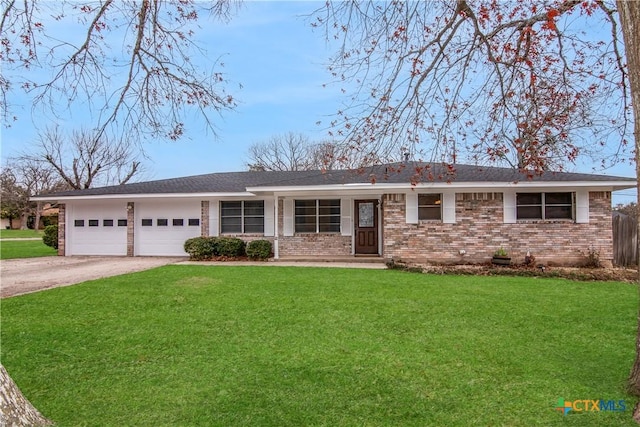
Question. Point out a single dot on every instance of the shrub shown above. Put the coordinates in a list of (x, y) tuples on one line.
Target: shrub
[(200, 248), (593, 258), (230, 246), (50, 236), (49, 220), (259, 249)]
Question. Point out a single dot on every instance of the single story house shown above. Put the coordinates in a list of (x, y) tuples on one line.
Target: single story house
[(422, 212)]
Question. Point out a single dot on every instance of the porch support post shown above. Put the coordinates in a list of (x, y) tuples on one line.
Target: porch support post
[(131, 225), (276, 226), (204, 218), (62, 236)]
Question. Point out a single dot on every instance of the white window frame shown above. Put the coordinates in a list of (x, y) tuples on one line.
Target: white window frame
[(543, 205), (318, 216), (243, 216), (437, 205)]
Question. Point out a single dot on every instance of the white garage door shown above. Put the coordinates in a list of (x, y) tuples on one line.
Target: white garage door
[(162, 227), (96, 228)]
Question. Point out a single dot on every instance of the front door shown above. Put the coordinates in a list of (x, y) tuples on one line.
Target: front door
[(366, 222)]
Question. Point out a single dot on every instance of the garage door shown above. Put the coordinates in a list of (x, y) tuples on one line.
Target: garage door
[(162, 227), (96, 228)]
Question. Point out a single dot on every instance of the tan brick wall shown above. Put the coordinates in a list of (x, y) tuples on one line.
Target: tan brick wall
[(131, 216), (311, 244), (315, 244), (62, 232), (204, 218), (479, 230)]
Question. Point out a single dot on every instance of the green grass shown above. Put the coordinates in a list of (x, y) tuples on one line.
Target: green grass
[(278, 346), (19, 234), (25, 249)]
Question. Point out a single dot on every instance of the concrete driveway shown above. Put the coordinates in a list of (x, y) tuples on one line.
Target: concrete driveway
[(22, 276)]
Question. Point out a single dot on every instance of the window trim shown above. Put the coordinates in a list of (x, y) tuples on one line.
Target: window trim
[(337, 203), (243, 216), (438, 205), (543, 206)]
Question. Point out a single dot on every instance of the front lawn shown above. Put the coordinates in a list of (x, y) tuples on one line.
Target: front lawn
[(19, 234), (10, 249), (287, 346)]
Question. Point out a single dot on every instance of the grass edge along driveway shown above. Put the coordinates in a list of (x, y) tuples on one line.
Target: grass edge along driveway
[(23, 244), (201, 345)]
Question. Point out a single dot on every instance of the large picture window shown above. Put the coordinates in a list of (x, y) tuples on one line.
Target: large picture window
[(245, 216), (430, 207), (317, 216), (544, 206)]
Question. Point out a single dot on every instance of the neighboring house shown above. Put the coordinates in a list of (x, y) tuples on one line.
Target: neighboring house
[(459, 214)]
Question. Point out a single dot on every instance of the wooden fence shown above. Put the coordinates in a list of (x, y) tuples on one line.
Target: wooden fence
[(625, 240)]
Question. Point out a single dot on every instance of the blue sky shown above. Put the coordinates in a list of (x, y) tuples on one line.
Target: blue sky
[(269, 48)]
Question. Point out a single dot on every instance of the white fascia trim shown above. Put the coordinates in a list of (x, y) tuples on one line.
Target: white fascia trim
[(198, 196), (486, 186)]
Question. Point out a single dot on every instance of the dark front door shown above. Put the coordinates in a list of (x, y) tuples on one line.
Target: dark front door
[(366, 222)]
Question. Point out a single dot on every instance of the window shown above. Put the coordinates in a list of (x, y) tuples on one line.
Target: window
[(317, 216), (147, 222), (430, 207), (78, 223), (107, 223), (94, 223), (544, 206), (122, 223), (194, 221), (242, 216), (178, 222), (162, 222)]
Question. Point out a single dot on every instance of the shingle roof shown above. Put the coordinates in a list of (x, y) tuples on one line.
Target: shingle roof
[(396, 173)]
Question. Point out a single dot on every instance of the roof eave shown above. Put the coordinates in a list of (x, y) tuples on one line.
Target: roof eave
[(67, 198), (381, 187)]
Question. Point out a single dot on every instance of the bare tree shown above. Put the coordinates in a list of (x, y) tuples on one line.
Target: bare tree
[(84, 160), (134, 65), (629, 17), (516, 83), (286, 152), (291, 152)]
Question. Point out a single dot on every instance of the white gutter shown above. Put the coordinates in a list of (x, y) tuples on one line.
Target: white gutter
[(492, 186), (359, 188), (138, 196)]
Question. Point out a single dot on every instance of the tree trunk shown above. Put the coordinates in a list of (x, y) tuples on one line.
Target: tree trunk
[(36, 223), (629, 18), (24, 218), (15, 409)]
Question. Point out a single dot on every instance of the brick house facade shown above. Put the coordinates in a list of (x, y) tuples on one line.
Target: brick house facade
[(556, 217)]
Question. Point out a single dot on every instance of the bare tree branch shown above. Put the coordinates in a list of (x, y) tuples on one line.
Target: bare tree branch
[(509, 82), (83, 160), (152, 39)]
